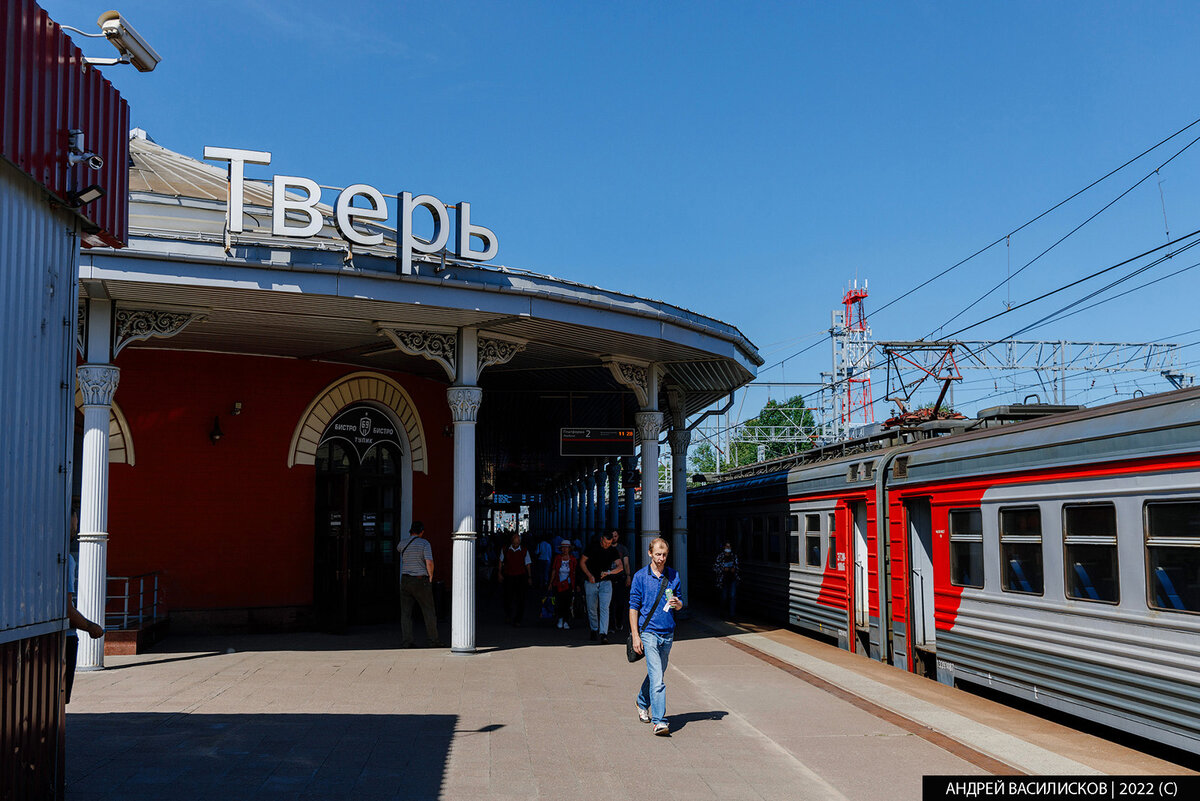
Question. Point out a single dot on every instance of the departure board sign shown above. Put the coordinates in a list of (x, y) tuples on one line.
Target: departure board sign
[(596, 442)]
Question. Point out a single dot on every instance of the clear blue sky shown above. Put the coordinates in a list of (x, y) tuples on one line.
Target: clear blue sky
[(744, 160)]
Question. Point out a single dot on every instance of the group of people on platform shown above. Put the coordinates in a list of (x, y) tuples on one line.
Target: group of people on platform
[(564, 575)]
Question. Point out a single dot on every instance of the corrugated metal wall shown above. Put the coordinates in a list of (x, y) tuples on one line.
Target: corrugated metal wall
[(48, 89), (38, 318), (32, 734)]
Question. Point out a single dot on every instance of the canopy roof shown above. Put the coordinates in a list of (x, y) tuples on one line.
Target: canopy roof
[(317, 299)]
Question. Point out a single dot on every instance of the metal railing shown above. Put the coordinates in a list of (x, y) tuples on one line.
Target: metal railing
[(134, 601)]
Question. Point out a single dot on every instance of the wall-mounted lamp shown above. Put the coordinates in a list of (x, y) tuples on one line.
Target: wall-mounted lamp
[(237, 409), (82, 197), (216, 432)]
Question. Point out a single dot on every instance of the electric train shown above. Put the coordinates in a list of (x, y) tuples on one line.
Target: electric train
[(1051, 553)]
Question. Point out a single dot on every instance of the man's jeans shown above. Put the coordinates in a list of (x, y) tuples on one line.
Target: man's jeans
[(597, 598), (653, 695)]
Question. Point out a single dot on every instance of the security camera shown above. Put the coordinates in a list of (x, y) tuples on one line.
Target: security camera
[(76, 153), (132, 47)]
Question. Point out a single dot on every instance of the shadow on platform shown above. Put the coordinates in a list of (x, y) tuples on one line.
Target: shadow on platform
[(228, 756)]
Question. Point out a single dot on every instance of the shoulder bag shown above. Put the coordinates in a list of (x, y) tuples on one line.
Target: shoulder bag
[(631, 654)]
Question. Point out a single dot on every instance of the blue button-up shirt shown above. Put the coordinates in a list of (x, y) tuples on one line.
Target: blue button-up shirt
[(642, 592)]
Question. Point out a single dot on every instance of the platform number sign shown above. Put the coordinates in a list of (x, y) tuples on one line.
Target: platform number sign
[(596, 442)]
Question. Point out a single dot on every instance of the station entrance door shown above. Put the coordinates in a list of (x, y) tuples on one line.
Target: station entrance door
[(355, 570)]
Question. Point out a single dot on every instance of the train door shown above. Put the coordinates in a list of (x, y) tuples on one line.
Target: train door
[(920, 591), (861, 580)]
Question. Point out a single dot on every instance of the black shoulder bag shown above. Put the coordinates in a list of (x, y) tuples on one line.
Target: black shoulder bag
[(631, 654)]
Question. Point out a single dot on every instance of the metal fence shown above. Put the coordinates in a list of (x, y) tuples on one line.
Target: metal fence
[(134, 601)]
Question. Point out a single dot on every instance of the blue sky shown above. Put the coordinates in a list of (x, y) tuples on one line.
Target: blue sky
[(743, 160)]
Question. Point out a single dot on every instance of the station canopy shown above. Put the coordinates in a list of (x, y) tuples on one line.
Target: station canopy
[(322, 300)]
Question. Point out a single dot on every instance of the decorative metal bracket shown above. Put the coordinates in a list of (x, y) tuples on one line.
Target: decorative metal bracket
[(498, 351), (138, 324), (80, 328), (440, 346), (633, 376)]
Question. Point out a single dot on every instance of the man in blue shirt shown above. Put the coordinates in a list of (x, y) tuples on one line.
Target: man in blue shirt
[(656, 638)]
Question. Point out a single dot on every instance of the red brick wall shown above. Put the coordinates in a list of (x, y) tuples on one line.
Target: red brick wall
[(231, 525)]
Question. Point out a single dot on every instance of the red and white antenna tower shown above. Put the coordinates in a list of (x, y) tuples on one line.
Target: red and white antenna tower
[(852, 363)]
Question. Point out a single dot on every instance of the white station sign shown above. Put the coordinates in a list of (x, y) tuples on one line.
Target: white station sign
[(344, 213)]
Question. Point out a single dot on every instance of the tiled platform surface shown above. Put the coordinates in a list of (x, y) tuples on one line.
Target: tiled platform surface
[(537, 713)]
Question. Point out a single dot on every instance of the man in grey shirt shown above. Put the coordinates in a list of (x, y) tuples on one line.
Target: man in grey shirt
[(416, 577)]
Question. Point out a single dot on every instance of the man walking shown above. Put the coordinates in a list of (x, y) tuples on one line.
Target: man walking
[(416, 584), (653, 601), (601, 563), (516, 579), (620, 599)]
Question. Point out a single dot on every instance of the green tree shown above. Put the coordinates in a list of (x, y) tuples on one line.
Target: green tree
[(778, 415)]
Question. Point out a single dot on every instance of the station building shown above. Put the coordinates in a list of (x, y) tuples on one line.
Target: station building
[(285, 388)]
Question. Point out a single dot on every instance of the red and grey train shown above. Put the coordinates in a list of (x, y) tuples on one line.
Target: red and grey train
[(1050, 556)]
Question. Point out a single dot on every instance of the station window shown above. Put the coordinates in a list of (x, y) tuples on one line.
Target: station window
[(1173, 555), (812, 540), (1090, 552), (966, 548), (1021, 550)]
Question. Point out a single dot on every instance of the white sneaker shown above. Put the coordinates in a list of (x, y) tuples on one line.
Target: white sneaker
[(643, 714), (662, 729)]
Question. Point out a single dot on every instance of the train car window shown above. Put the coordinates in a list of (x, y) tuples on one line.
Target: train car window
[(966, 548), (794, 539), (1021, 550), (1090, 552), (831, 552), (812, 540), (1173, 555)]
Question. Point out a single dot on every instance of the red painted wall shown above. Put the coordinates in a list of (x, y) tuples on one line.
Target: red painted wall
[(231, 525)]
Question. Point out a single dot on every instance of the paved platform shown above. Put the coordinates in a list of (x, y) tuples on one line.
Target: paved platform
[(539, 713)]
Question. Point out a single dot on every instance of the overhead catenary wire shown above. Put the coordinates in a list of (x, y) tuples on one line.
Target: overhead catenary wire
[(1032, 220), (1064, 237)]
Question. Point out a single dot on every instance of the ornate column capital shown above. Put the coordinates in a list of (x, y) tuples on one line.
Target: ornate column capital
[(649, 425), (633, 376), (464, 403), (137, 324), (438, 346), (97, 383), (679, 439)]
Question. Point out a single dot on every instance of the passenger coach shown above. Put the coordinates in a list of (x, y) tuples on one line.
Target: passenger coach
[(1055, 559)]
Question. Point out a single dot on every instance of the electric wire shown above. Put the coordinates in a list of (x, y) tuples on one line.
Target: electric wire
[(1030, 222), (1063, 238)]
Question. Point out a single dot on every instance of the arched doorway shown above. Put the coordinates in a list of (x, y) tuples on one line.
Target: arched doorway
[(359, 487)]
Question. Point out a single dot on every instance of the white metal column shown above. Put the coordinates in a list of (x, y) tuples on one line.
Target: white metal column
[(98, 384), (679, 439), (649, 425), (464, 399)]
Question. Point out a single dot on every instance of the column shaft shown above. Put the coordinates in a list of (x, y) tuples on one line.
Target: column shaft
[(98, 384), (649, 425), (464, 406)]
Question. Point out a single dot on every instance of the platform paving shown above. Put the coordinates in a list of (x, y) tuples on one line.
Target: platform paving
[(536, 713)]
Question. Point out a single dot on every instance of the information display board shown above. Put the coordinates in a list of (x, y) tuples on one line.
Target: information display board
[(596, 442)]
